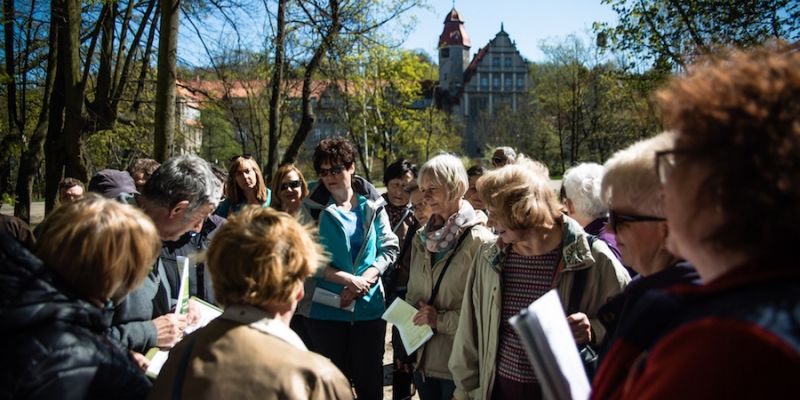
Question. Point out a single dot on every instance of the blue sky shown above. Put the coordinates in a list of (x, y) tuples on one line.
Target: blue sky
[(528, 22)]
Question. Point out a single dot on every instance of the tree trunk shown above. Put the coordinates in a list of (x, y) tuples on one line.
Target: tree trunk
[(165, 80), (148, 49), (73, 92), (54, 152), (31, 158), (307, 121), (101, 107), (275, 96)]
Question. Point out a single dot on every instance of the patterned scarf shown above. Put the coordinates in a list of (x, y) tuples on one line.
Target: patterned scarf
[(440, 236)]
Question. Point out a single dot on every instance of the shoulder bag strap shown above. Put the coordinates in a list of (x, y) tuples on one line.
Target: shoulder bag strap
[(578, 284), (435, 290)]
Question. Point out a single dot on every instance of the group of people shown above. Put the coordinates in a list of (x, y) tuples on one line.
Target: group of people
[(701, 216)]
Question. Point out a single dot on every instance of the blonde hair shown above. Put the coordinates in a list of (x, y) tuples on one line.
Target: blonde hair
[(98, 246), (260, 257), (448, 171), (631, 178), (278, 179), (519, 195), (232, 190)]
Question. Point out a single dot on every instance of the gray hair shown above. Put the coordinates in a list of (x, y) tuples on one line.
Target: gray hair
[(183, 178), (582, 187), (510, 154), (447, 171), (631, 177)]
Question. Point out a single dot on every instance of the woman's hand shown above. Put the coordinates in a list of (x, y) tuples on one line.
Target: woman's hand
[(141, 361), (426, 315), (346, 297), (581, 328), (358, 285)]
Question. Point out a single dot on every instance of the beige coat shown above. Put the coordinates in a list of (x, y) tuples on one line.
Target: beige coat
[(244, 354), (432, 357), (473, 359)]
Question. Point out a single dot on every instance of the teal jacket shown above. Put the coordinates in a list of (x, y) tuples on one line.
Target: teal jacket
[(378, 249)]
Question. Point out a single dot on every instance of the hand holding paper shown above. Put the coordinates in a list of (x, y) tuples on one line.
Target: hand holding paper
[(401, 314)]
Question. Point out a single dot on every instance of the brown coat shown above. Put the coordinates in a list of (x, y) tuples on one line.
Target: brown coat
[(235, 360)]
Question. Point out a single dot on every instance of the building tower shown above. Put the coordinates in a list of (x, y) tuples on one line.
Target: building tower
[(454, 47)]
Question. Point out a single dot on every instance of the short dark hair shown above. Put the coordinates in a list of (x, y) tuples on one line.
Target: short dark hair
[(145, 165), (334, 151), (67, 183), (475, 170), (399, 168)]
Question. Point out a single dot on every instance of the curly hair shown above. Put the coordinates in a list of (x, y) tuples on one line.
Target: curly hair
[(334, 151), (261, 257), (738, 114)]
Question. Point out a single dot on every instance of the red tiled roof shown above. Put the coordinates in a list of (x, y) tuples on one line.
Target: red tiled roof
[(454, 33)]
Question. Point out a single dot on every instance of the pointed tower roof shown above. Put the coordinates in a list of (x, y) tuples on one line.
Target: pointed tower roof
[(454, 33)]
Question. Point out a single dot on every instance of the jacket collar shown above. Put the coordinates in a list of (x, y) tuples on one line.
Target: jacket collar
[(264, 322), (576, 251)]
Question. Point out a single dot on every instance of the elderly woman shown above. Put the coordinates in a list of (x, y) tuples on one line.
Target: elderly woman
[(732, 205), (581, 188), (441, 256), (245, 185), (258, 262), (538, 249), (292, 189), (55, 312), (345, 302), (633, 194)]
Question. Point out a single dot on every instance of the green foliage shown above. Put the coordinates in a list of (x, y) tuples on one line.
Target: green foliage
[(678, 31)]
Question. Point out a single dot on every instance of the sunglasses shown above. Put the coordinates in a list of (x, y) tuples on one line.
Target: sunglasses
[(498, 160), (290, 184), (335, 170), (615, 219)]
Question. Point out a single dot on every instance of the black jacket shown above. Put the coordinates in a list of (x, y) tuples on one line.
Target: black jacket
[(53, 344)]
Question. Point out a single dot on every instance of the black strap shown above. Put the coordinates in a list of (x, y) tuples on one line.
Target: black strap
[(578, 284), (435, 290)]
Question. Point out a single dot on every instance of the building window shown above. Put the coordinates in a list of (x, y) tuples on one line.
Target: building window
[(484, 82), (507, 85), (444, 53), (508, 62), (496, 83), (520, 82), (496, 61)]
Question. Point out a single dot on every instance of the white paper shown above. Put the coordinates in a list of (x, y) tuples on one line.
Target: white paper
[(401, 315), (548, 340), (328, 298), (182, 305), (206, 312)]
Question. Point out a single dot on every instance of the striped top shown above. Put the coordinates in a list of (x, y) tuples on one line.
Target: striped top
[(525, 279)]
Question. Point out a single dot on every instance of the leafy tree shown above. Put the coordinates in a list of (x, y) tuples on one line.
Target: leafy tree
[(677, 31)]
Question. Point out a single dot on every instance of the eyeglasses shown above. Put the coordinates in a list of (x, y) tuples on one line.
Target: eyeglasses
[(290, 184), (335, 170), (615, 219)]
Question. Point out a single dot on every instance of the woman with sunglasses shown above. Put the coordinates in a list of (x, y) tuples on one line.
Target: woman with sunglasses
[(245, 185), (292, 189), (344, 302), (635, 200), (732, 203), (538, 249)]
